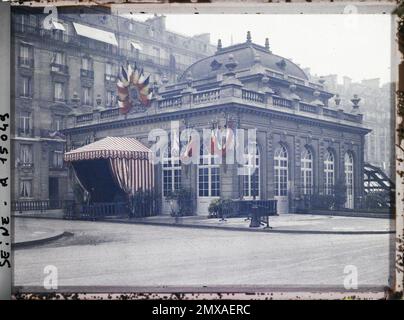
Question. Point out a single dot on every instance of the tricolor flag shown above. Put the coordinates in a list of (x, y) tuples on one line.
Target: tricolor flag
[(132, 79)]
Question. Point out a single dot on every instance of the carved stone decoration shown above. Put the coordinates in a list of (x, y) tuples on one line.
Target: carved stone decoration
[(281, 64), (283, 136)]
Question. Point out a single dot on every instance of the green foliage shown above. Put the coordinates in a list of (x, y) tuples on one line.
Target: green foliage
[(220, 206), (377, 200), (144, 203), (340, 193), (320, 201), (185, 201)]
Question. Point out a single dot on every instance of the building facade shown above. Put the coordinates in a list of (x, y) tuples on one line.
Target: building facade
[(68, 63), (303, 145), (377, 102)]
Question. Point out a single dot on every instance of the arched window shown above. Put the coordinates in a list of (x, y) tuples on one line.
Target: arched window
[(171, 172), (208, 175), (251, 179), (307, 171), (349, 180), (281, 171), (329, 173)]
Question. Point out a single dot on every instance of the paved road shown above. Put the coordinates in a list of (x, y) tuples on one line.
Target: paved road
[(108, 254)]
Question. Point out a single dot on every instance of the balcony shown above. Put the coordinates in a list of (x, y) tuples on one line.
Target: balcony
[(25, 62), (24, 132), (59, 68), (26, 165), (110, 77), (84, 73)]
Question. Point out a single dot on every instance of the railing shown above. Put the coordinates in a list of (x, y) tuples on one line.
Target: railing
[(170, 102), (330, 113), (26, 164), (305, 107), (87, 73), (244, 208), (59, 68), (110, 113), (110, 77), (50, 37), (97, 211), (25, 132), (282, 102), (252, 96), (38, 205), (206, 96), (84, 118), (25, 62)]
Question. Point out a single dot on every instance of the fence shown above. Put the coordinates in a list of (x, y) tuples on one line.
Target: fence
[(244, 208), (39, 205), (97, 211)]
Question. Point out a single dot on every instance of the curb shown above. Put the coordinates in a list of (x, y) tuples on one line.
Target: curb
[(251, 230), (195, 226), (29, 243)]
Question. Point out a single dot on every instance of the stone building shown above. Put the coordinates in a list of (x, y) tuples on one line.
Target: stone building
[(70, 62), (304, 146), (377, 102)]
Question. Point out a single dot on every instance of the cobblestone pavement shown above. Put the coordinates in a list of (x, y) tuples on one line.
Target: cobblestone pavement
[(118, 254)]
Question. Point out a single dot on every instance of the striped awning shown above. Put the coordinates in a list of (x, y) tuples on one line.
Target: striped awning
[(110, 148), (127, 158)]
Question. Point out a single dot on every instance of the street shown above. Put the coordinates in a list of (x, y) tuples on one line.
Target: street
[(112, 254)]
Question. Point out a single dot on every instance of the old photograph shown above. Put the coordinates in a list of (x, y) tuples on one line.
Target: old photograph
[(164, 151)]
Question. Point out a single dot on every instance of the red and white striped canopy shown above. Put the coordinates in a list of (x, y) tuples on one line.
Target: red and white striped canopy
[(110, 147)]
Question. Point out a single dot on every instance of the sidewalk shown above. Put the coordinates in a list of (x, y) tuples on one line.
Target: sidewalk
[(285, 223), (25, 235)]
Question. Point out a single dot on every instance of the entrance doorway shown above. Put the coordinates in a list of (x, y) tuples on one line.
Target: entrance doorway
[(53, 192), (281, 179)]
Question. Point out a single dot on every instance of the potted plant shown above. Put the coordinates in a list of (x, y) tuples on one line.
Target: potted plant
[(180, 202), (214, 208)]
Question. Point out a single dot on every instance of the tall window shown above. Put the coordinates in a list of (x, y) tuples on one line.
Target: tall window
[(171, 172), (24, 123), (26, 155), (307, 171), (87, 96), (59, 91), (86, 63), (329, 173), (108, 69), (208, 175), (281, 171), (58, 123), (24, 56), (25, 86), (59, 58), (251, 180), (110, 98), (57, 159), (349, 180), (25, 188)]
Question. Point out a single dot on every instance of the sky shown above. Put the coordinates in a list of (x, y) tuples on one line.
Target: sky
[(353, 45)]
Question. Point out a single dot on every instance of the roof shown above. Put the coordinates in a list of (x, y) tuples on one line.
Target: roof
[(110, 147), (245, 54)]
